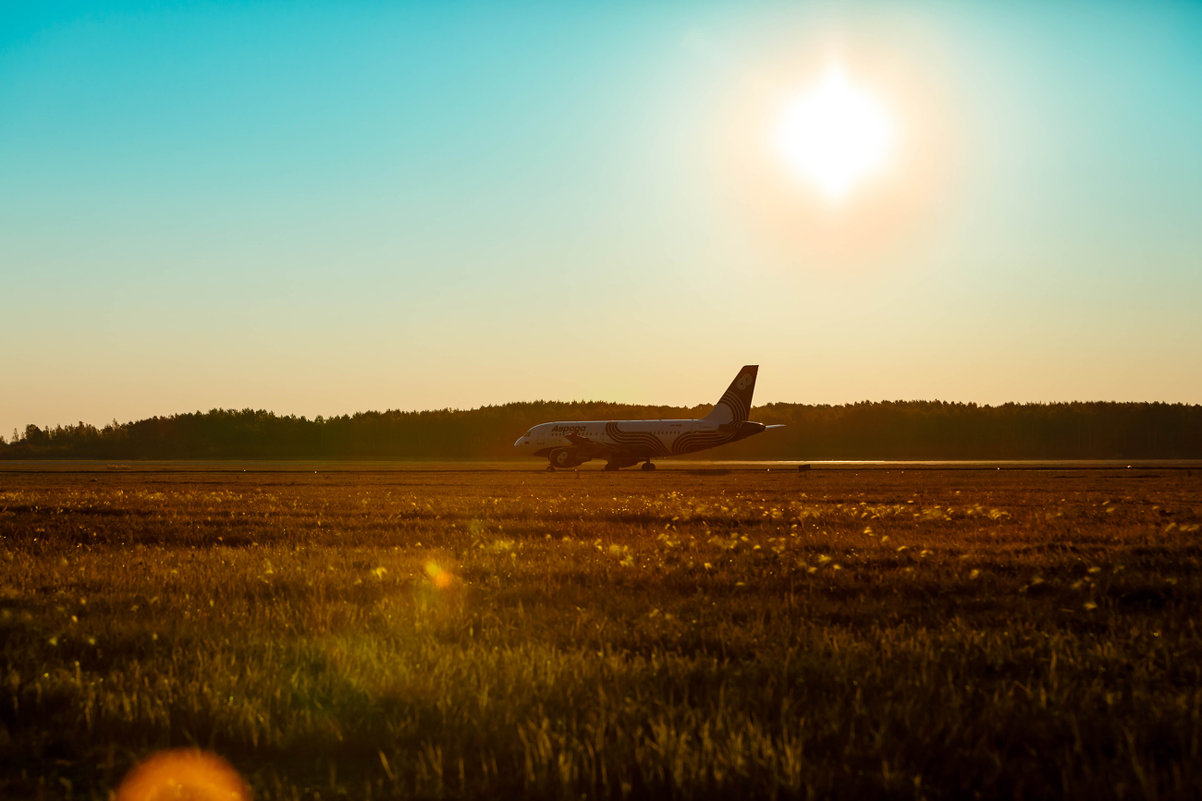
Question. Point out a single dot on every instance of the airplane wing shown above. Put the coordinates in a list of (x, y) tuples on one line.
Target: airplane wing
[(589, 446)]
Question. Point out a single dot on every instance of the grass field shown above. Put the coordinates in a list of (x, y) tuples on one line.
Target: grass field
[(681, 634)]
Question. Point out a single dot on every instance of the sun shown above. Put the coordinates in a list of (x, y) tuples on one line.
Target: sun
[(836, 134)]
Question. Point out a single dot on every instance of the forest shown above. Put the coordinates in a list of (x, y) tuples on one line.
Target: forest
[(868, 430)]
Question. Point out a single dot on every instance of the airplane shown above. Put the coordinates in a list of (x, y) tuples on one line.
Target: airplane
[(623, 443)]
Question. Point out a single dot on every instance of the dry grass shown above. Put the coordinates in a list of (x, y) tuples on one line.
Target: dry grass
[(832, 634)]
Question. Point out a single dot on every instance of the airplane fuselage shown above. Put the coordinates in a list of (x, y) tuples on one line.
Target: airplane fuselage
[(567, 443), (627, 442)]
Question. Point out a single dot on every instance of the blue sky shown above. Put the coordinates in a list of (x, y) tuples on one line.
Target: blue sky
[(330, 207)]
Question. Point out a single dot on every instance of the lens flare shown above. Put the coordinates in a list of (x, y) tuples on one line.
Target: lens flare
[(183, 773), (442, 579)]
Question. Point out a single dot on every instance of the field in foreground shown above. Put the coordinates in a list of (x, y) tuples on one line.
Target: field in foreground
[(685, 634)]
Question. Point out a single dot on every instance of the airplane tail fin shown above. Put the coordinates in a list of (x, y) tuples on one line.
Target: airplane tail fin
[(735, 403)]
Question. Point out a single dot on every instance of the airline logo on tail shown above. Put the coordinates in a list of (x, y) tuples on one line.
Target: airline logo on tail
[(735, 404)]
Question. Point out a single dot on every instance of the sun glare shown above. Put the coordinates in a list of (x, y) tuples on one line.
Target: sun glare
[(836, 134)]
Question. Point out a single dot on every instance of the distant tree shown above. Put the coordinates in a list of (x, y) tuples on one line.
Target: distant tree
[(886, 430), (35, 436)]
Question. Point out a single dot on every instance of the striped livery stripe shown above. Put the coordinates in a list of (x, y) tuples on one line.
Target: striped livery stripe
[(638, 443), (699, 440), (738, 407)]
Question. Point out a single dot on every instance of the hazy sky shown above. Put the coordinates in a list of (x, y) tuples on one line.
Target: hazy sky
[(320, 208)]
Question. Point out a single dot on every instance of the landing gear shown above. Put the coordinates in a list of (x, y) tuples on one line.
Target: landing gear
[(550, 468), (648, 465)]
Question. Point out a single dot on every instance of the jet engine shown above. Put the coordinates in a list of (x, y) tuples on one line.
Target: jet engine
[(565, 457)]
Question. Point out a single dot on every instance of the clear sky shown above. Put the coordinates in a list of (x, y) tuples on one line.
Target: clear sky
[(322, 208)]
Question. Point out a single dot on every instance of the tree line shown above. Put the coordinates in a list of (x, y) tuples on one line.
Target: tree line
[(869, 430)]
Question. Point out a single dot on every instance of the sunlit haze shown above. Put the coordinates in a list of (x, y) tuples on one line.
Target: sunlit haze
[(836, 134), (325, 208)]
